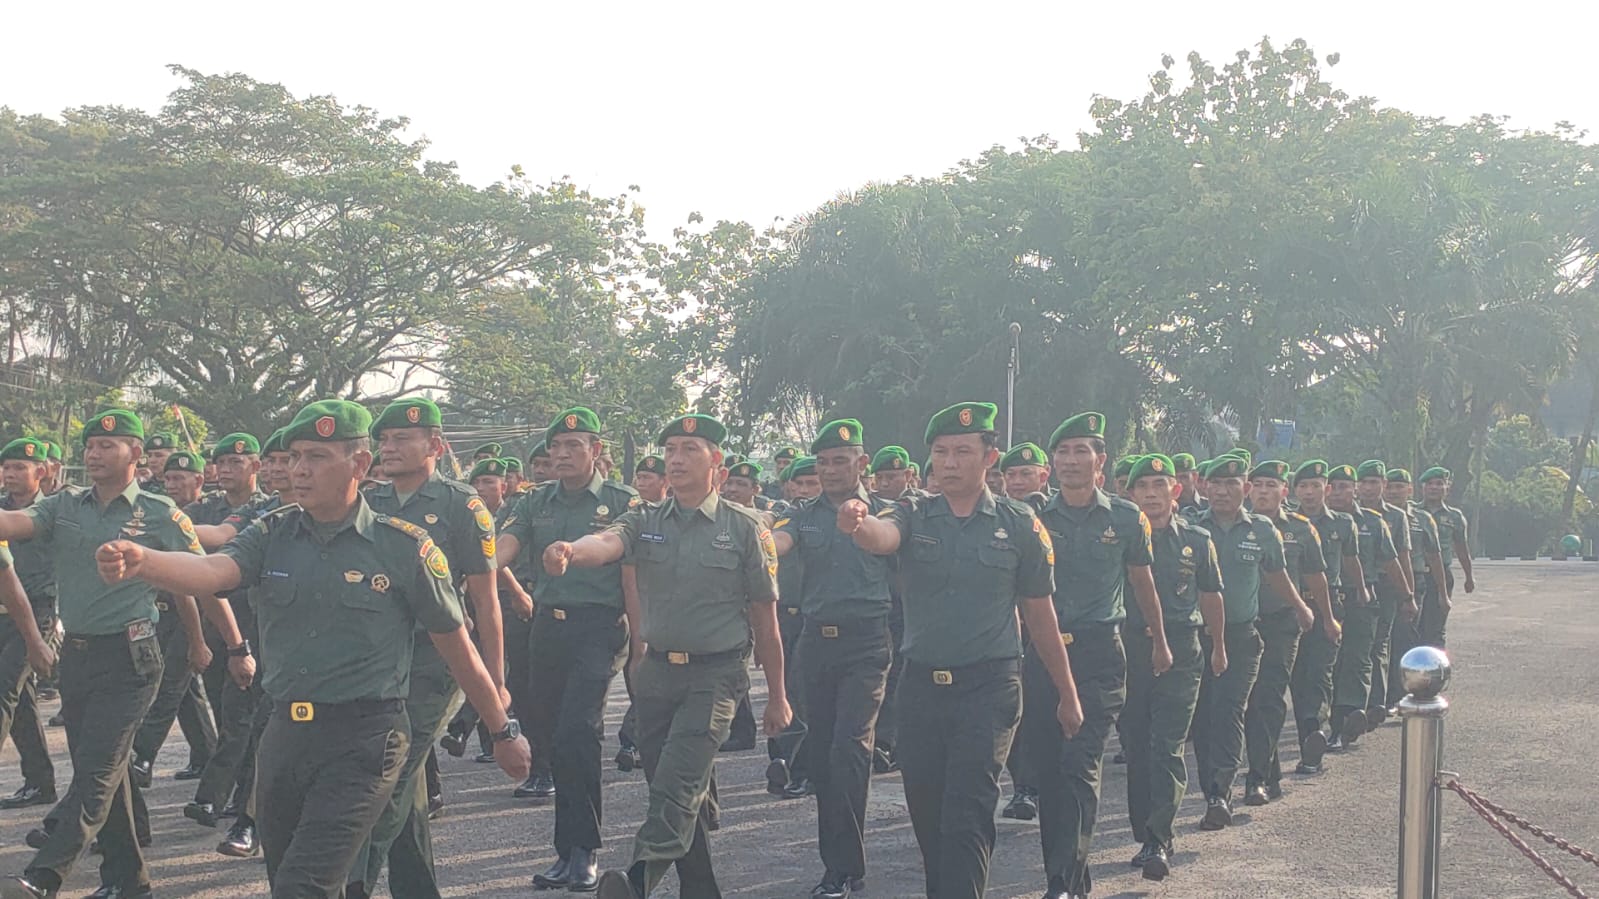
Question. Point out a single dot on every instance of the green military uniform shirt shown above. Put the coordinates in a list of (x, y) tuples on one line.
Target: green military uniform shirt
[(1424, 538), (1398, 521), (1340, 540), (1184, 566), (963, 577), (1451, 525), (841, 582), (1094, 546), (214, 508), (552, 513), (31, 559), (71, 525), (453, 515), (1376, 543), (1302, 555), (337, 604), (699, 570), (1245, 549)]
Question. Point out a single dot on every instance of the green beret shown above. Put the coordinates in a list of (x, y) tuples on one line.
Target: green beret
[(274, 443), (576, 420), (1398, 476), (695, 425), (411, 412), (1152, 464), (1371, 468), (494, 467), (1314, 468), (652, 463), (751, 470), (492, 450), (1183, 462), (1241, 453), (962, 418), (1437, 471), (541, 450), (1083, 424), (328, 420), (512, 463), (1341, 473), (836, 434), (1123, 466), (788, 452), (185, 461), (890, 458), (113, 423), (161, 440), (802, 465), (1271, 468), (26, 449), (1023, 454), (1226, 467), (56, 452), (236, 445)]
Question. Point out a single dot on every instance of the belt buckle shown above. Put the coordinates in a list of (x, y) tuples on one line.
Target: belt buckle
[(77, 643), (677, 658), (943, 678), (560, 614), (302, 712), (1067, 639), (830, 631)]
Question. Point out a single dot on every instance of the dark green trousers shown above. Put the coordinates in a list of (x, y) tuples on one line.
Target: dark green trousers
[(18, 704), (1268, 701), (1219, 717), (953, 739), (180, 696), (1068, 771), (788, 744), (1388, 599), (1352, 672), (321, 785), (1154, 726), (843, 677), (106, 687), (1311, 685), (684, 714)]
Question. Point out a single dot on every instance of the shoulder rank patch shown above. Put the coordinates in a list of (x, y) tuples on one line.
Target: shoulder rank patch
[(480, 514), (433, 557), (410, 530)]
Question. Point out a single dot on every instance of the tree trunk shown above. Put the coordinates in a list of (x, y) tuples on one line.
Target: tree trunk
[(1579, 452)]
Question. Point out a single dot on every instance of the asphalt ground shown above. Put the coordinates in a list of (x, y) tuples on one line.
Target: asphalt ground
[(1521, 730)]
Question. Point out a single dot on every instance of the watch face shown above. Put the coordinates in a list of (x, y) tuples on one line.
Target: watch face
[(513, 729)]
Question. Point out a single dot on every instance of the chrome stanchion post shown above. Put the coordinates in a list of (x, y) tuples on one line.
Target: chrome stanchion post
[(1426, 672)]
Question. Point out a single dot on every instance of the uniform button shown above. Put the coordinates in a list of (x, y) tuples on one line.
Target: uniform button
[(312, 634), (324, 555), (303, 671)]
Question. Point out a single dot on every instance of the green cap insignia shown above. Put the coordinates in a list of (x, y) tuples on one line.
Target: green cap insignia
[(26, 449), (576, 420), (1341, 473), (1314, 468), (1083, 424), (113, 423), (1152, 465), (236, 445), (487, 467), (652, 463), (329, 420), (185, 461), (1273, 469), (161, 440), (411, 412), (962, 418), (695, 425), (836, 434), (890, 458), (1227, 467), (750, 470), (1371, 468), (1022, 454)]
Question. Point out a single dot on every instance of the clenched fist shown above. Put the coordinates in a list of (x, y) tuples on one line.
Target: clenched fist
[(119, 560), (850, 515), (556, 557)]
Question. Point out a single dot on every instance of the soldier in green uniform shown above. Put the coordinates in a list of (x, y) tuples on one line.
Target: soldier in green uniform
[(894, 476), (1378, 562), (579, 637), (844, 652), (971, 562), (1394, 597), (517, 609), (24, 462), (487, 451), (741, 486), (1154, 722), (780, 463), (1427, 574), (1435, 484), (409, 434), (1190, 500), (1311, 683), (1102, 547), (891, 471), (343, 589), (51, 482), (742, 483), (157, 447), (1250, 551), (538, 464), (707, 582), (489, 478), (1283, 619), (1123, 468), (1026, 471), (786, 774), (110, 659), (649, 479)]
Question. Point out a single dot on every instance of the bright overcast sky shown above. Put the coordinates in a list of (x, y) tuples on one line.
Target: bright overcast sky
[(756, 110)]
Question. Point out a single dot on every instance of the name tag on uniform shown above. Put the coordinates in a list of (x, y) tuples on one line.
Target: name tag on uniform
[(924, 540), (275, 574), (653, 538), (809, 527), (541, 522)]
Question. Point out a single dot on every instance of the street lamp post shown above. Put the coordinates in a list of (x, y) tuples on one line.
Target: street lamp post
[(1010, 382)]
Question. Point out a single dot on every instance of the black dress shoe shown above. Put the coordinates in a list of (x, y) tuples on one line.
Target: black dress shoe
[(23, 888), (139, 770), (116, 892), (454, 744), (883, 761), (583, 873), (1375, 718), (1159, 863), (435, 807), (1274, 791), (554, 878), (202, 813), (192, 772), (777, 777), (1218, 814), (1144, 852), (1022, 806), (29, 796), (1313, 750), (485, 758), (1354, 725), (627, 759), (1056, 889), (537, 786), (231, 810), (833, 886), (615, 885), (799, 788), (240, 841), (1255, 796)]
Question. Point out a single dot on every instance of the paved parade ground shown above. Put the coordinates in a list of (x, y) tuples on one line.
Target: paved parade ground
[(1521, 731)]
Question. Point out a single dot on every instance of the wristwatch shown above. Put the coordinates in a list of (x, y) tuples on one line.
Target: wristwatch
[(240, 651), (511, 732)]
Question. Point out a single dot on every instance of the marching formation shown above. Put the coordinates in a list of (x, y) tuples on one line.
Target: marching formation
[(320, 610)]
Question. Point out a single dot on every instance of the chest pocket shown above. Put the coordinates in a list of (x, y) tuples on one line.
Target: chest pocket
[(363, 598), (999, 565), (276, 592), (925, 552), (813, 539), (720, 560), (650, 551)]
